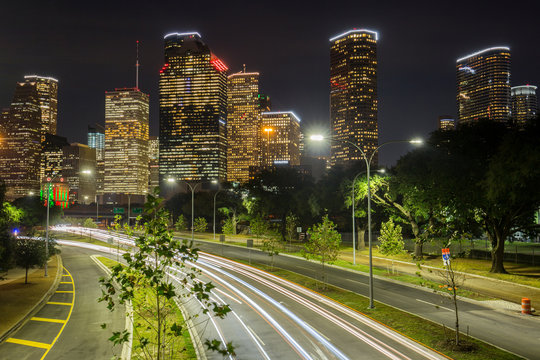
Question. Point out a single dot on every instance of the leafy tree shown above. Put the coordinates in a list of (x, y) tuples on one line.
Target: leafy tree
[(35, 213), (391, 240), (181, 223), (231, 222), (89, 223), (291, 225), (200, 224), (29, 253), (259, 226), (147, 268), (271, 245), (323, 243), (9, 216)]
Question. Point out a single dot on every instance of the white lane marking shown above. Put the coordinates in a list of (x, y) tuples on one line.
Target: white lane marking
[(255, 334), (229, 296), (438, 306)]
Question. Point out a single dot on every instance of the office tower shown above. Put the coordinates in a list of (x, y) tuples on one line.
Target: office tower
[(79, 171), (446, 122), (126, 143), (524, 103), (47, 89), (243, 125), (353, 95), (280, 135), (483, 85), (96, 140), (52, 155), (153, 163), (20, 147), (192, 111)]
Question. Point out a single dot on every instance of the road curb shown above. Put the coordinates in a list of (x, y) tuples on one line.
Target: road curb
[(39, 304)]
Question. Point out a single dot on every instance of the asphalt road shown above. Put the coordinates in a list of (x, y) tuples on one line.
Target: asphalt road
[(68, 326), (517, 334)]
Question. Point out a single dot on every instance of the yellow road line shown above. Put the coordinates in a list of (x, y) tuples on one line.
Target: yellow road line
[(59, 303), (65, 291), (48, 320), (66, 282), (66, 321), (29, 343)]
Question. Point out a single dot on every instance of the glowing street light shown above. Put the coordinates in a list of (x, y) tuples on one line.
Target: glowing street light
[(368, 160)]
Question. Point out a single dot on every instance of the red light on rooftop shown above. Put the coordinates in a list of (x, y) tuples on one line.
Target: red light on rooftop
[(218, 64)]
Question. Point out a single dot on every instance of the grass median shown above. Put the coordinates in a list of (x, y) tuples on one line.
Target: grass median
[(183, 345)]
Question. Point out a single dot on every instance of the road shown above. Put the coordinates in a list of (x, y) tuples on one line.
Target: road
[(272, 318), (68, 326)]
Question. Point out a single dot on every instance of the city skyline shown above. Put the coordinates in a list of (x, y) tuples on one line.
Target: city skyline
[(416, 64)]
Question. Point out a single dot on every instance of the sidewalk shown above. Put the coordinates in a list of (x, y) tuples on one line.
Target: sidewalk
[(495, 288), (18, 300)]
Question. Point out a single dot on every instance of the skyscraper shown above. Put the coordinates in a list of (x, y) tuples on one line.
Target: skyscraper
[(78, 170), (126, 142), (524, 103), (96, 140), (353, 94), (47, 89), (52, 155), (280, 140), (20, 147), (153, 163), (483, 85), (192, 111), (243, 125)]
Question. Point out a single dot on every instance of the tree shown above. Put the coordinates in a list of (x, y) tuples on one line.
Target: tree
[(291, 225), (148, 267), (258, 226), (89, 223), (200, 224), (271, 245), (181, 223), (229, 227), (9, 216), (323, 243), (391, 240), (29, 253)]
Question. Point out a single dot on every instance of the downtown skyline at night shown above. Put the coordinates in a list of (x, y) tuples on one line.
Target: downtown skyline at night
[(416, 54)]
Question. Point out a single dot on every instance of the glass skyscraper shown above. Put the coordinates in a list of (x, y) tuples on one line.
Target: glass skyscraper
[(47, 90), (192, 111), (243, 125), (353, 95), (96, 140), (280, 138), (524, 103), (483, 85)]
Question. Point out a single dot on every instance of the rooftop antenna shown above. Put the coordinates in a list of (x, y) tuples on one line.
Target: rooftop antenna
[(137, 68), (244, 68)]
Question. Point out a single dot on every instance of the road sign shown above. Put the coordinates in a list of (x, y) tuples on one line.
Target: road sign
[(299, 229), (446, 256), (118, 210), (137, 210)]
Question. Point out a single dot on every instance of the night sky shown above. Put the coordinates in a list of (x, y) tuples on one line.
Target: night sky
[(90, 48)]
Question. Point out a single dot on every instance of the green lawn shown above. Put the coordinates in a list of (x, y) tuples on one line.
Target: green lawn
[(182, 347)]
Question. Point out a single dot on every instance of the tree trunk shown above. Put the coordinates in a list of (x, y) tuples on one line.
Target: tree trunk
[(418, 244), (497, 253), (361, 243), (26, 276)]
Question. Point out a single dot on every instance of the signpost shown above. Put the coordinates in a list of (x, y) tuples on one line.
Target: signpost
[(119, 210)]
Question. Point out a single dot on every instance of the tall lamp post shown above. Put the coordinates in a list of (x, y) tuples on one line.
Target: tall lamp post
[(215, 197), (192, 188), (368, 164)]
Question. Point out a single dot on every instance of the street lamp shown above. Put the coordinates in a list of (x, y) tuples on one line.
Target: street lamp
[(49, 181), (368, 163), (192, 188)]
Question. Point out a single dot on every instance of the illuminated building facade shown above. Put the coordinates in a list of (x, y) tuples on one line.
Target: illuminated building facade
[(446, 122), (264, 102), (280, 139), (47, 90), (153, 163), (353, 95), (52, 155), (483, 85), (243, 125), (96, 140), (524, 103), (20, 146), (192, 111), (126, 142), (78, 170)]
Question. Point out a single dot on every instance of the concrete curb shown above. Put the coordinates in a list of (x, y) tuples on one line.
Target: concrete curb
[(193, 333), (126, 347), (39, 304)]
